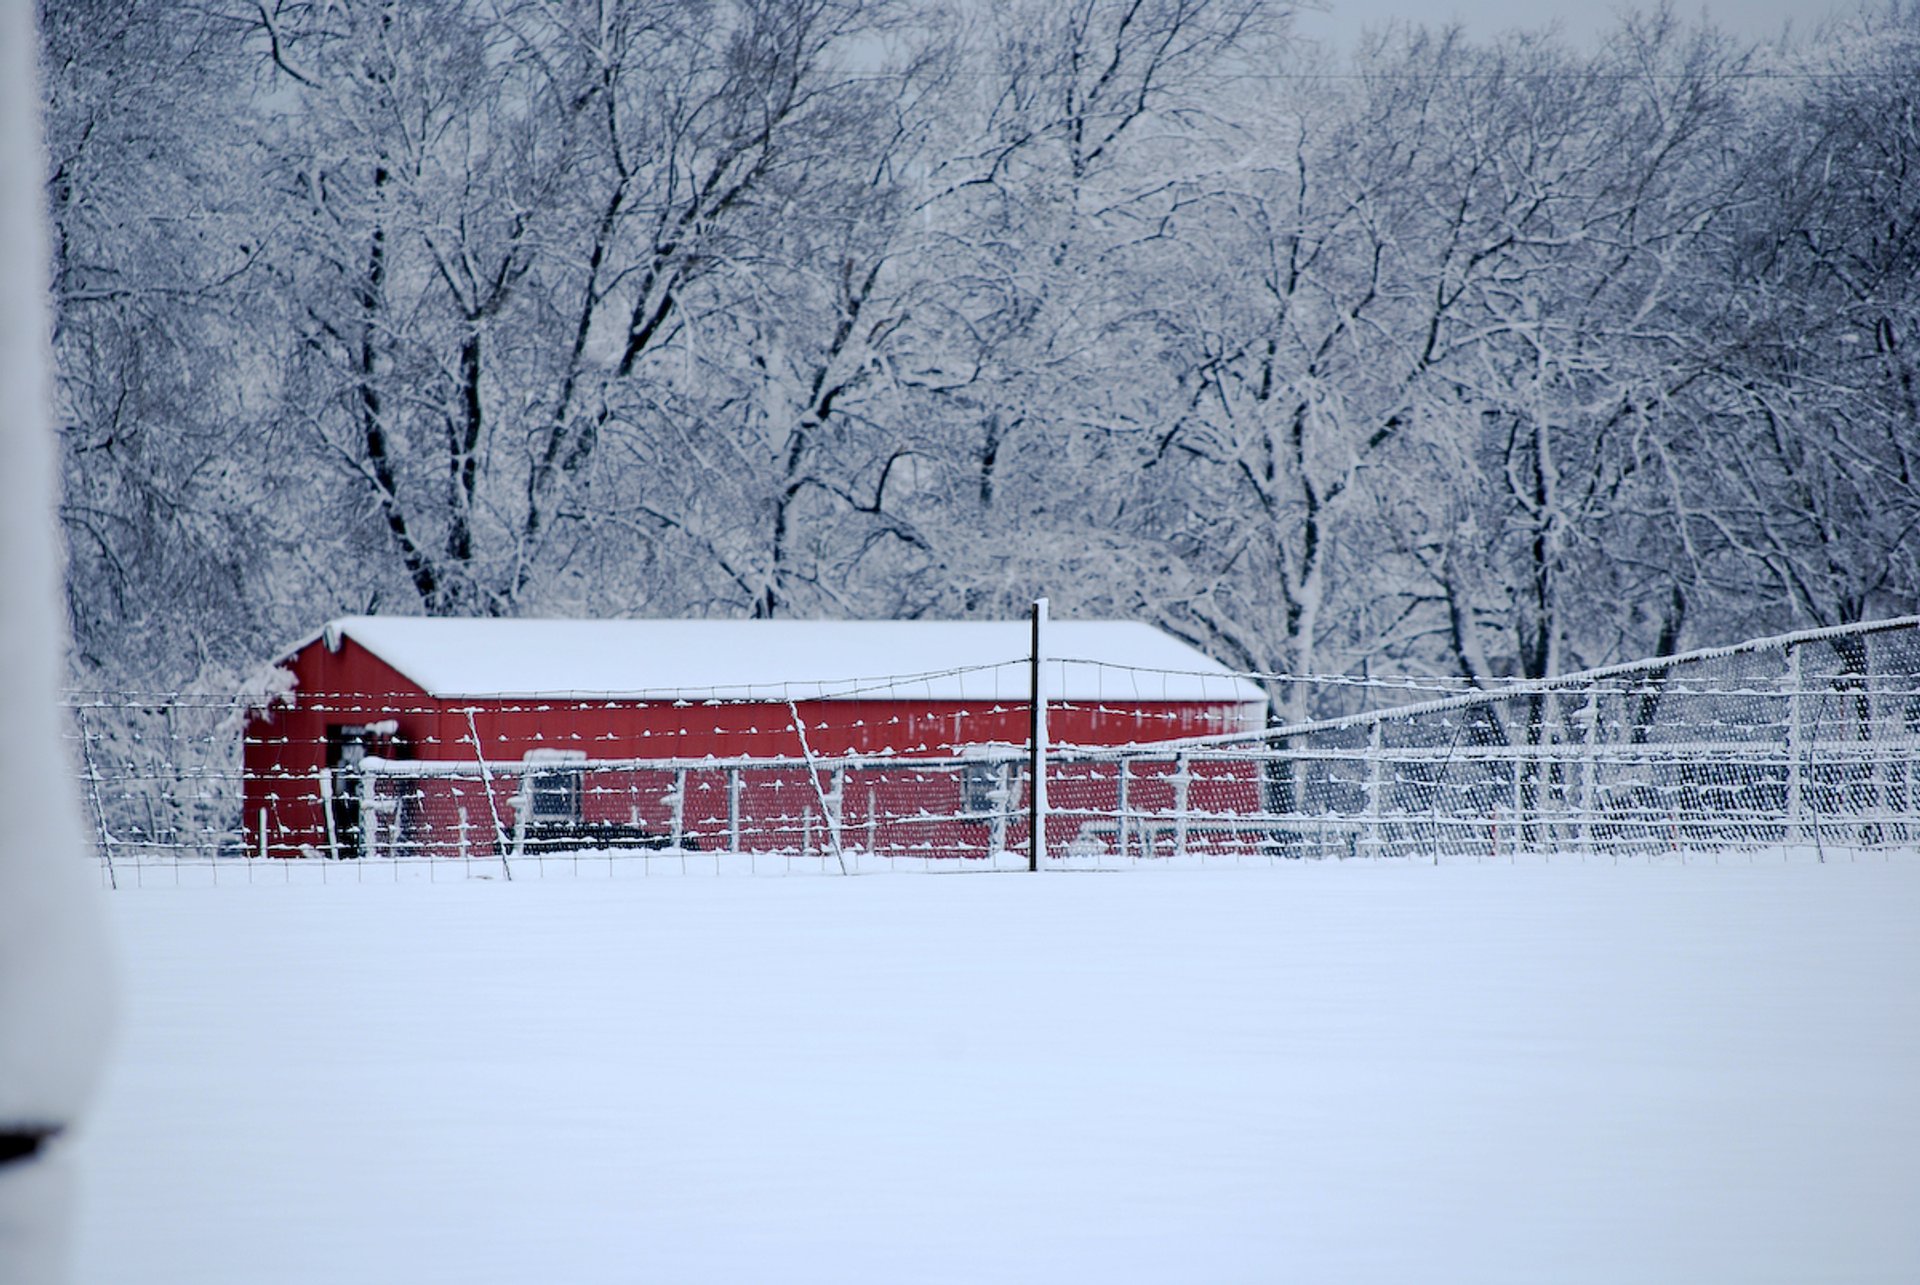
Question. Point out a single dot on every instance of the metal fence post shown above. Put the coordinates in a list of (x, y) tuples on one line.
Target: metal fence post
[(1374, 789), (1589, 753), (1004, 778), (733, 809), (1181, 778), (522, 806), (1037, 741), (1796, 823), (1549, 810), (93, 797), (325, 775), (493, 804), (1519, 798), (837, 810), (368, 844)]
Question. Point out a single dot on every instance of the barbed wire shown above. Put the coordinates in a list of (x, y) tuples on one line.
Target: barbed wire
[(1766, 741)]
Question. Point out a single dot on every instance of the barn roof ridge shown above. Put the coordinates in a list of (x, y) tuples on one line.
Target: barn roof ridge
[(676, 658)]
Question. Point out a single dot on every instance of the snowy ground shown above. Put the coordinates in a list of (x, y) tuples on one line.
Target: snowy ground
[(1317, 1072)]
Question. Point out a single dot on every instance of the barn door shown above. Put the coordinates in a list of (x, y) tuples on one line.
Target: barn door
[(348, 744)]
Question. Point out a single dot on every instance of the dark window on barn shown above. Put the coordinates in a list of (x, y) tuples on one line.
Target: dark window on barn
[(555, 795), (551, 788)]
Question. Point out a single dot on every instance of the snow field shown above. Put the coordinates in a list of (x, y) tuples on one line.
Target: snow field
[(1319, 1072)]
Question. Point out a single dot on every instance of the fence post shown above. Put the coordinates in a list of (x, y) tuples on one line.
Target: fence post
[(1005, 781), (93, 797), (493, 805), (733, 809), (1879, 770), (1181, 777), (1120, 817), (1590, 751), (1374, 790), (1519, 795), (679, 823), (829, 821), (522, 806), (1037, 742), (1796, 825), (325, 775), (837, 814), (369, 837), (1549, 811)]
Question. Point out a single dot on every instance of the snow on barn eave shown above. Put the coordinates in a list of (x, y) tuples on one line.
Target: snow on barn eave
[(740, 660)]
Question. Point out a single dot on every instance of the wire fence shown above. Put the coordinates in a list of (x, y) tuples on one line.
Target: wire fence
[(1804, 742), (1805, 746)]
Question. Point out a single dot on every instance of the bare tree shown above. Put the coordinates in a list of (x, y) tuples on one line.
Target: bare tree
[(1486, 358), (1572, 407), (156, 260), (509, 218), (1818, 335)]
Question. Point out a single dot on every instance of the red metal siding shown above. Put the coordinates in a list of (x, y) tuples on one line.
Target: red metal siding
[(509, 727)]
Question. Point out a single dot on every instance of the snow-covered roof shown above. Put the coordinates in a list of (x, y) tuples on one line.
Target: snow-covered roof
[(783, 659)]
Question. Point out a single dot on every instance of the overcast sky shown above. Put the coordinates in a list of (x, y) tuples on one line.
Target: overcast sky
[(1345, 19)]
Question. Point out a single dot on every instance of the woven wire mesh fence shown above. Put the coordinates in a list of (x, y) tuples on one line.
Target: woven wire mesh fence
[(160, 774), (960, 808), (1802, 743), (1805, 744)]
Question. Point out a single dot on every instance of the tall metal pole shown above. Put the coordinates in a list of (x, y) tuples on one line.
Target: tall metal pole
[(1037, 743)]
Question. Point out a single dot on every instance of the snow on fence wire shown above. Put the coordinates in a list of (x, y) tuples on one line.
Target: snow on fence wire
[(1804, 744), (159, 773)]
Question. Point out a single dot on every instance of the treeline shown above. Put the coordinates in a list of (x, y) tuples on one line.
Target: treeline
[(1485, 359)]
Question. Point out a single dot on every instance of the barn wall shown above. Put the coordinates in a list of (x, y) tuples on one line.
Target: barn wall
[(286, 755)]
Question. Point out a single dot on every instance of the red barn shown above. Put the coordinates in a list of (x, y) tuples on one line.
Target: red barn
[(466, 737)]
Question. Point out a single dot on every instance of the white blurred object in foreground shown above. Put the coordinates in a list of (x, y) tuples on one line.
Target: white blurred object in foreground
[(53, 965)]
